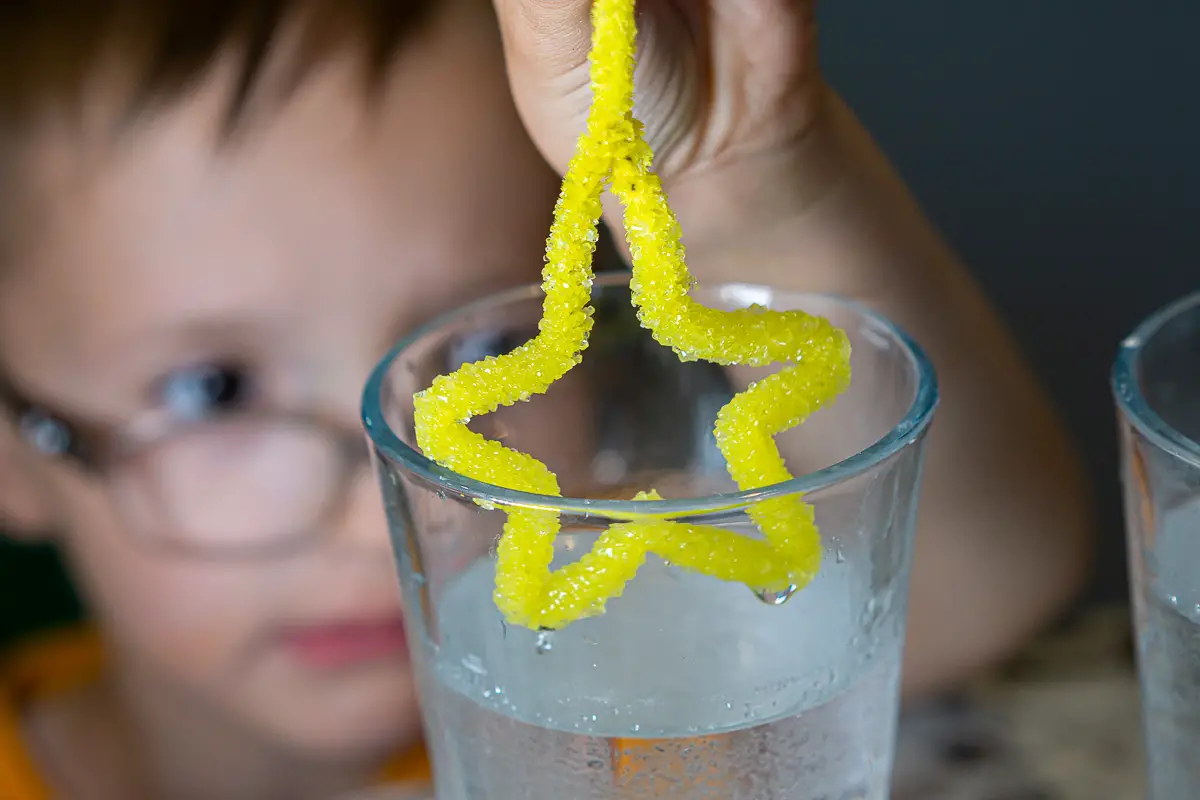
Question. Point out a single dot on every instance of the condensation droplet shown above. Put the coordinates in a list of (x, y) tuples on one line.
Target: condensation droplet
[(773, 598), (474, 664)]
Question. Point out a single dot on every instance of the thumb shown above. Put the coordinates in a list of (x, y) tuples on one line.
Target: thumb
[(548, 39), (546, 45)]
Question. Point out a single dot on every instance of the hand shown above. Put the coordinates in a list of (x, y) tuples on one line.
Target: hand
[(728, 90)]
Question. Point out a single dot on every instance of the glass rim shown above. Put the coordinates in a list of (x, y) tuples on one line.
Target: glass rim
[(1126, 387), (907, 431)]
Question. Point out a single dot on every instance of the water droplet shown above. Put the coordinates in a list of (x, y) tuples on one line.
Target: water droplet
[(545, 642), (839, 556), (635, 728), (589, 640), (474, 664), (872, 609), (776, 598)]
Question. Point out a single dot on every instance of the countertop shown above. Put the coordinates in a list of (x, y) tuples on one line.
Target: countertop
[(1061, 722)]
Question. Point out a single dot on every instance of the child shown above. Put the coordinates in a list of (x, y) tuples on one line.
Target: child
[(216, 218)]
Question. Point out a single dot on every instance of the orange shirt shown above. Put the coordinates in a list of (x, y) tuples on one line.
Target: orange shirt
[(61, 662)]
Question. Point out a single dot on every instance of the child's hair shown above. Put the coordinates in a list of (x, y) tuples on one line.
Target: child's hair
[(52, 50)]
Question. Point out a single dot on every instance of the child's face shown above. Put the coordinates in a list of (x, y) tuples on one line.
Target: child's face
[(285, 264)]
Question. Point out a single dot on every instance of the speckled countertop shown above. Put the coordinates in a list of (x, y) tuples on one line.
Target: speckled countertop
[(1061, 722)]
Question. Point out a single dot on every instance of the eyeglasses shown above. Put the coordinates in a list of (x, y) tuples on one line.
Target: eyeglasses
[(243, 485)]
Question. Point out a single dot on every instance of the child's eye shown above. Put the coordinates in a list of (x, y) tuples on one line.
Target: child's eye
[(207, 390)]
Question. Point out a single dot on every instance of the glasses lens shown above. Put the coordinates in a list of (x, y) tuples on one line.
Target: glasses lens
[(239, 484)]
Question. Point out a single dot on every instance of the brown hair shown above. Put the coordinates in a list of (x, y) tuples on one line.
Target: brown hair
[(49, 49)]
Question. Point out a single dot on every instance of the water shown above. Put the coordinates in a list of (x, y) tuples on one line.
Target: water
[(687, 688), (1170, 657)]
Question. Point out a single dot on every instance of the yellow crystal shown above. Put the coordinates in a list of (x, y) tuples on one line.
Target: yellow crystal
[(612, 152)]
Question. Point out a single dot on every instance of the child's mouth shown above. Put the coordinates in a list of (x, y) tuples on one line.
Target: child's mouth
[(336, 645)]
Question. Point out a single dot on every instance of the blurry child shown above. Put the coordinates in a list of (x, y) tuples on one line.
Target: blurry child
[(217, 215)]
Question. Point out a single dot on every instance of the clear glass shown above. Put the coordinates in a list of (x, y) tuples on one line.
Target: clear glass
[(1156, 381), (407, 791), (686, 687)]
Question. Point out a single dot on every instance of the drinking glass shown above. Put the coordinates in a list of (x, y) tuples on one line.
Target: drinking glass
[(1156, 381), (687, 686)]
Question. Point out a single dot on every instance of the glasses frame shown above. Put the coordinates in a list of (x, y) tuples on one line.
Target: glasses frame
[(103, 453)]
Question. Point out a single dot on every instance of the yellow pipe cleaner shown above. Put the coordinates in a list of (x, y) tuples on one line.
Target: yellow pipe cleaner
[(613, 151)]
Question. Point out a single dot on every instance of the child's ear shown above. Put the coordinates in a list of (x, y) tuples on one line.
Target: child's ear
[(25, 510)]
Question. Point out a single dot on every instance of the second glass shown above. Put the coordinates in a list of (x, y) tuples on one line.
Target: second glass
[(1156, 381), (686, 686)]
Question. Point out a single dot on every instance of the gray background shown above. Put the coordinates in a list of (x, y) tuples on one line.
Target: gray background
[(1055, 144)]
